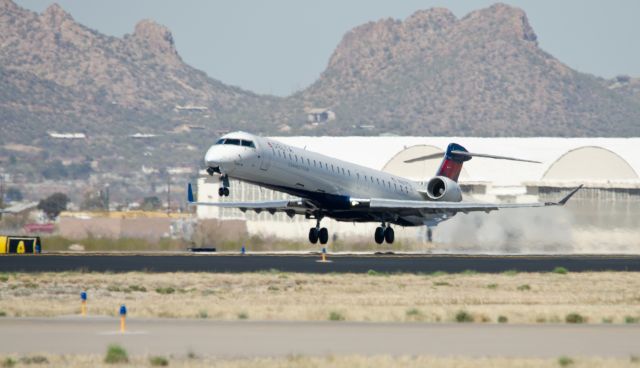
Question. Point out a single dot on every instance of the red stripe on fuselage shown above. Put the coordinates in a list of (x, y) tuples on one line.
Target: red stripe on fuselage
[(450, 169)]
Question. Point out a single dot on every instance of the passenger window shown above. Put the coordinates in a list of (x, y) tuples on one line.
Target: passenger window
[(314, 163), (342, 171), (290, 158), (349, 172), (296, 158), (332, 168), (308, 162)]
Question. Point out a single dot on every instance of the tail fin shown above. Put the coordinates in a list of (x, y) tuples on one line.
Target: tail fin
[(451, 165)]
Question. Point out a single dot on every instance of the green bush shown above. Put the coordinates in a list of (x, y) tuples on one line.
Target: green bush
[(441, 283), (413, 313), (116, 355), (469, 272), (336, 316), (3, 313), (203, 314), (492, 286), (574, 318), (8, 362), (158, 361), (631, 319), (165, 290), (243, 315), (464, 316), (439, 273), (138, 288), (560, 270), (524, 287), (502, 319), (4, 278), (510, 272), (565, 361)]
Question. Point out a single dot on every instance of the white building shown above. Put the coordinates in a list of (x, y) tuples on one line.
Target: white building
[(608, 167)]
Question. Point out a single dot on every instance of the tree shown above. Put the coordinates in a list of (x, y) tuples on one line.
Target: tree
[(151, 203), (54, 204)]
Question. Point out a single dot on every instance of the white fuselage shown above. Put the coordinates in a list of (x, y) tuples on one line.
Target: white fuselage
[(294, 170)]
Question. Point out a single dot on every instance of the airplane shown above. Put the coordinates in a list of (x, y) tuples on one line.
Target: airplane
[(329, 187)]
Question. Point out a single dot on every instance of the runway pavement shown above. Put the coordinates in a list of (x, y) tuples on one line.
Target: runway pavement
[(176, 262), (248, 338)]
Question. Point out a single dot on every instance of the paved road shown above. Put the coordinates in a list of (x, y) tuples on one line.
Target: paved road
[(176, 262), (249, 338)]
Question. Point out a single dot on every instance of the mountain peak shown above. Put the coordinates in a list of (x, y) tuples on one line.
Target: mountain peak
[(431, 18), (157, 36), (508, 20), (55, 15)]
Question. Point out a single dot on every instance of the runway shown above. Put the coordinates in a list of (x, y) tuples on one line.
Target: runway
[(252, 338), (181, 262)]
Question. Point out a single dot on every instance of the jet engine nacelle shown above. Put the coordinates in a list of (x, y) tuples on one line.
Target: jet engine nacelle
[(441, 188)]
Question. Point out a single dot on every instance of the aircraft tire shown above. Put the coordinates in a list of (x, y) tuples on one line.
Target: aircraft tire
[(225, 191), (389, 235), (221, 192), (379, 235), (323, 235), (313, 235)]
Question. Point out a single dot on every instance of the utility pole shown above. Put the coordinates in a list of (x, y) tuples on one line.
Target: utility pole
[(168, 193)]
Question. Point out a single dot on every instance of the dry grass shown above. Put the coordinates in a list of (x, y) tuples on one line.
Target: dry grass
[(607, 297), (350, 361)]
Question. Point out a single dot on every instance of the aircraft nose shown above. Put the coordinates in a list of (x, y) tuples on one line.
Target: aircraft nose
[(217, 157)]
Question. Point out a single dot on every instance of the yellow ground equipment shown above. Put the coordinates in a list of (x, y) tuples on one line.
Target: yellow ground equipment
[(20, 244)]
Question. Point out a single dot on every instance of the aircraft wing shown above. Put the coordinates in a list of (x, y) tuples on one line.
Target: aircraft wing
[(454, 207), (290, 207)]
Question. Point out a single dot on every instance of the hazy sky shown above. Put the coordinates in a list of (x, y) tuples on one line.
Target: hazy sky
[(280, 46)]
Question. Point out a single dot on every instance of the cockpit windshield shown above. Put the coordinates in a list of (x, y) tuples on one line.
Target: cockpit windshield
[(236, 142)]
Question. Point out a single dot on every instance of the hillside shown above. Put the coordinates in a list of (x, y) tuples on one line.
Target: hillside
[(429, 74), (482, 75)]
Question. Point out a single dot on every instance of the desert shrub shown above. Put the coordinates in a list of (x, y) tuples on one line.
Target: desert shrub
[(203, 314), (116, 355), (510, 272), (492, 286), (336, 316), (463, 316), (137, 288), (441, 283), (560, 270), (631, 319), (502, 319), (524, 287), (158, 361), (565, 361), (574, 318), (165, 290), (243, 315), (8, 362), (469, 272)]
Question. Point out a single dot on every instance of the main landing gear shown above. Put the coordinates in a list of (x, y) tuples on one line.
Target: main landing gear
[(223, 191), (318, 234), (384, 233)]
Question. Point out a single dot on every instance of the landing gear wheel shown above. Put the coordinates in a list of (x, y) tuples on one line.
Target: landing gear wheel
[(323, 235), (429, 235), (379, 235), (221, 192), (313, 235), (389, 235), (225, 191)]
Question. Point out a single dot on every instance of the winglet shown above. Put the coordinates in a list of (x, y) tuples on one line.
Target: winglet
[(566, 198), (189, 193)]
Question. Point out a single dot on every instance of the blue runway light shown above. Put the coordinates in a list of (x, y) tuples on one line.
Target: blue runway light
[(83, 296), (243, 250), (123, 310), (324, 250)]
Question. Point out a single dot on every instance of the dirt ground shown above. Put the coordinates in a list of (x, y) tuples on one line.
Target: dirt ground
[(603, 297)]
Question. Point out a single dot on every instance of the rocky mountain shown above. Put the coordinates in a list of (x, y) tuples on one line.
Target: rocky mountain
[(430, 74), (482, 75)]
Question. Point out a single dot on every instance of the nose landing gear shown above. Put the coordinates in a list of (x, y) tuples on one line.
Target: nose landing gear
[(224, 189), (384, 233)]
